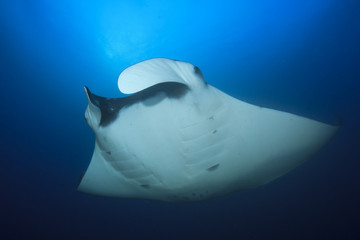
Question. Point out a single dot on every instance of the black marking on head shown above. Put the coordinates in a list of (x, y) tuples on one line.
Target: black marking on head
[(110, 107), (109, 153), (211, 118), (213, 168), (147, 186), (215, 131)]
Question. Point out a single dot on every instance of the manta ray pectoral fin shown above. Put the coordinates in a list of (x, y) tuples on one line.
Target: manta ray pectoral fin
[(158, 70), (100, 179)]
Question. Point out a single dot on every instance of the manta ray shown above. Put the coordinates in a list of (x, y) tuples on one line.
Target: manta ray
[(176, 138)]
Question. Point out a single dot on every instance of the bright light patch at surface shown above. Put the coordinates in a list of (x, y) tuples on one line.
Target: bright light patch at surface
[(93, 41), (136, 30), (129, 28)]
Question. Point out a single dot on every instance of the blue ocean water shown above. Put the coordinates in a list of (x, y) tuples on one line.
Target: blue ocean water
[(296, 56)]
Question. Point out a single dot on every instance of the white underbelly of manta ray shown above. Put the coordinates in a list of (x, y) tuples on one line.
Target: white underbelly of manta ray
[(178, 139)]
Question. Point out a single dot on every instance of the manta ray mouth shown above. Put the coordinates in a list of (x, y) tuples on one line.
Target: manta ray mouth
[(110, 107)]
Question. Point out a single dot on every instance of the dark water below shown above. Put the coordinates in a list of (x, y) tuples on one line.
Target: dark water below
[(300, 57)]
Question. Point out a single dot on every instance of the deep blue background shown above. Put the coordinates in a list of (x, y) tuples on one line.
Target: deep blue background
[(298, 56)]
